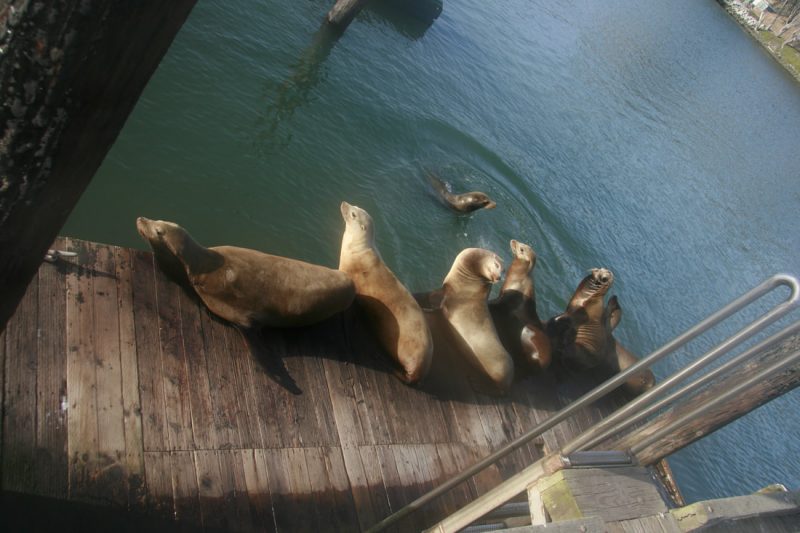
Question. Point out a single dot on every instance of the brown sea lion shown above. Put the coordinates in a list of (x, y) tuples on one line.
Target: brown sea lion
[(395, 316), (514, 312), (463, 203), (618, 358), (462, 306), (585, 315), (247, 287)]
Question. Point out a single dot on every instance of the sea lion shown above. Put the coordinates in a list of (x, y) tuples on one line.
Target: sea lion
[(463, 203), (514, 312), (585, 314), (462, 306), (247, 287), (395, 316), (618, 358)]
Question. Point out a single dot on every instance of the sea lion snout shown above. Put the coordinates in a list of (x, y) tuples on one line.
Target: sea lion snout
[(143, 227), (603, 275), (494, 269)]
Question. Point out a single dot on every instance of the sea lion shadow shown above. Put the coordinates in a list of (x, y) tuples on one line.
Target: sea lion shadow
[(344, 337)]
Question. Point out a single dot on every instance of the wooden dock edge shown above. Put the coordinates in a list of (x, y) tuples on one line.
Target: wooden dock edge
[(703, 514)]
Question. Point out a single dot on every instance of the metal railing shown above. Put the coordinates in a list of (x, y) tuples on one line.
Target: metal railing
[(619, 419)]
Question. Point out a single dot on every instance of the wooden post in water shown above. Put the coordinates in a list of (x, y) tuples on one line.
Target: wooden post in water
[(70, 73), (343, 12), (718, 417)]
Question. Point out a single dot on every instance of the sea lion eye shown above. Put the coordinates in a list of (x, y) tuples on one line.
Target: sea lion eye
[(353, 214), (159, 231)]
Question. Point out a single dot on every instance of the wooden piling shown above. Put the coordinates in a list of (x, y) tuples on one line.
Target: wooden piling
[(343, 12), (70, 73)]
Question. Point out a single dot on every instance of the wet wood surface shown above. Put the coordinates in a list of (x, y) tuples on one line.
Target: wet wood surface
[(121, 391)]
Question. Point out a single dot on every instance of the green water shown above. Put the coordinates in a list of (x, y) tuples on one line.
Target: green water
[(652, 138)]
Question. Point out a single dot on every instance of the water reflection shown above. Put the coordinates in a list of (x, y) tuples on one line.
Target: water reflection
[(411, 19)]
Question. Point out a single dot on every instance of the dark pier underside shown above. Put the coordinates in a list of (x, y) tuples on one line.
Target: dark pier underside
[(126, 403)]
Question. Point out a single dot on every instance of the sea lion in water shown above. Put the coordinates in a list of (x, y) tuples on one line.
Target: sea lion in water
[(461, 323), (514, 312), (395, 316), (585, 315), (618, 358), (247, 287), (463, 203)]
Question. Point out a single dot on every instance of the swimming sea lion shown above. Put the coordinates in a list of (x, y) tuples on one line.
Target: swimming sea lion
[(463, 203), (462, 305), (247, 287), (618, 358), (395, 316), (585, 312), (514, 312)]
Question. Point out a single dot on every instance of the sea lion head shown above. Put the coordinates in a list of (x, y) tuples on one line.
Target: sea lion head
[(472, 201), (156, 231), (476, 264), (598, 282), (523, 252), (170, 243), (358, 224), (591, 291)]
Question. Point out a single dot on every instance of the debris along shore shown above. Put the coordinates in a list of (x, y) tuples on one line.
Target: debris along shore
[(776, 28)]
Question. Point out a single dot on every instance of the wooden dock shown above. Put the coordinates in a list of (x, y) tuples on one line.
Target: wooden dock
[(123, 398)]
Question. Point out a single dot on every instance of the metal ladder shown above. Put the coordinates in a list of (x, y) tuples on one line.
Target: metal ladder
[(638, 409)]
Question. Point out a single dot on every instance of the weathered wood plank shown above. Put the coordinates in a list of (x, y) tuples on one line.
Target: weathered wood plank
[(19, 431), (215, 513), (460, 494), (614, 494), (185, 493), (344, 510), (247, 415), (302, 491), (81, 378), (399, 483), (330, 488), (131, 405), (234, 489), (174, 379), (366, 484), (705, 514), (110, 471), (203, 424), (51, 385), (402, 415), (318, 427), (275, 413), (720, 415), (158, 482), (344, 403), (148, 353), (291, 493), (256, 478), (663, 523), (224, 396)]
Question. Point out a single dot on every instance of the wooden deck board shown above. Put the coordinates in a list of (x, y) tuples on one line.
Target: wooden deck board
[(119, 388), (174, 379), (19, 420), (51, 384), (131, 405)]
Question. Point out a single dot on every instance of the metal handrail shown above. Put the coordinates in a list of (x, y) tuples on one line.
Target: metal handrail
[(628, 415), (600, 391)]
